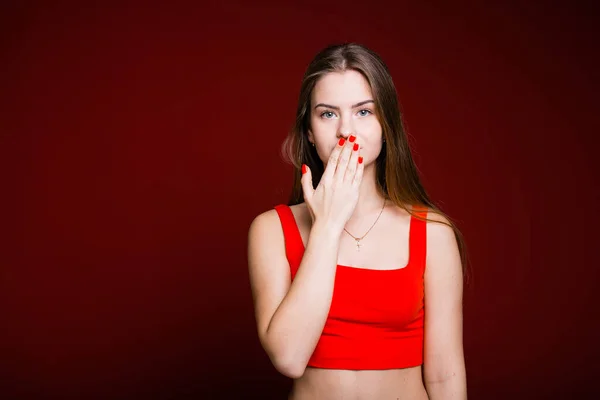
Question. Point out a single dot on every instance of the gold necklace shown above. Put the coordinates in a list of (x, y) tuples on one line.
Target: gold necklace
[(361, 238)]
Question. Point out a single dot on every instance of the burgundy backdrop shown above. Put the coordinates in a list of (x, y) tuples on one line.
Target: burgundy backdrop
[(138, 142)]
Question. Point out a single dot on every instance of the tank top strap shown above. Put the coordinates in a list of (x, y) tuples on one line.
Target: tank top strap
[(418, 238), (294, 247)]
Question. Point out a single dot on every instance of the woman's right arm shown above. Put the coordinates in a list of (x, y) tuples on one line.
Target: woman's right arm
[(290, 318)]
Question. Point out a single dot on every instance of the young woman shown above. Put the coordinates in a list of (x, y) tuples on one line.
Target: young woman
[(357, 282)]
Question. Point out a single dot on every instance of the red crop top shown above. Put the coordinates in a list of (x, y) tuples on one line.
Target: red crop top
[(376, 316)]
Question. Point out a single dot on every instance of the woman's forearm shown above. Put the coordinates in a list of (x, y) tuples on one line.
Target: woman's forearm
[(297, 324)]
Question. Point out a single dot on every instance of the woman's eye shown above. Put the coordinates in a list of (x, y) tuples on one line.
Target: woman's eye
[(330, 114)]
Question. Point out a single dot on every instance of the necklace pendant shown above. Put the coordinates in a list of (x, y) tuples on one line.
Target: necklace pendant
[(357, 244)]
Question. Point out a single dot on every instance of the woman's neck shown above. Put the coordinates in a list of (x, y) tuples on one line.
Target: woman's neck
[(370, 201)]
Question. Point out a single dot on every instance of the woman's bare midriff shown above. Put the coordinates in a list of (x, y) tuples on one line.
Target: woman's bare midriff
[(334, 384)]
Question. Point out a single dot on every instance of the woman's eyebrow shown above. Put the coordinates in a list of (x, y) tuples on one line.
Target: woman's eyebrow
[(337, 108)]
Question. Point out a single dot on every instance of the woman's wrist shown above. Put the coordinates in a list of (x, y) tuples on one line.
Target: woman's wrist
[(326, 230)]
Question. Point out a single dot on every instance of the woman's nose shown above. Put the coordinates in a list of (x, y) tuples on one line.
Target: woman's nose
[(346, 129)]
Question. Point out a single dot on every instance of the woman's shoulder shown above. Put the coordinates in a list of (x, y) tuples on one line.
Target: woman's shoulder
[(270, 218), (438, 225), (298, 210), (432, 215), (441, 238)]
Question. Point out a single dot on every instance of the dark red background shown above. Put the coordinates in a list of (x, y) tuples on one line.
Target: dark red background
[(138, 142)]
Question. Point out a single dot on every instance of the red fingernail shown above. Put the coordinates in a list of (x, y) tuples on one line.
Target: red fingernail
[(352, 138), (355, 147), (360, 160), (342, 141), (303, 169)]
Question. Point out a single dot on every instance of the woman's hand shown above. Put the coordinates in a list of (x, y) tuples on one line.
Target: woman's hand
[(333, 201)]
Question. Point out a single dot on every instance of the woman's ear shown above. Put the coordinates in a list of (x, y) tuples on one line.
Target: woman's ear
[(311, 137)]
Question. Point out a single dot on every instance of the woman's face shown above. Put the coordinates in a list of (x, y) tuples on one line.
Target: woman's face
[(342, 105)]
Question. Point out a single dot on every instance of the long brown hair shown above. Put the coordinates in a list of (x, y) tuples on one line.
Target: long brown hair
[(396, 172)]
